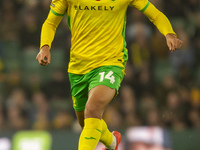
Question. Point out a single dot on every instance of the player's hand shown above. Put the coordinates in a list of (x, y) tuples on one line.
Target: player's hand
[(173, 42), (44, 56)]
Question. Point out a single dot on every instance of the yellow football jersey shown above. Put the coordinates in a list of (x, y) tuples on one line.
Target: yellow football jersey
[(97, 31)]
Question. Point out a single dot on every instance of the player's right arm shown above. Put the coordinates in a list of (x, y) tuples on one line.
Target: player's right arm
[(58, 9), (160, 21)]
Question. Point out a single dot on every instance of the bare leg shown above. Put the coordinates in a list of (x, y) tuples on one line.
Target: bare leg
[(98, 93), (80, 117), (99, 97)]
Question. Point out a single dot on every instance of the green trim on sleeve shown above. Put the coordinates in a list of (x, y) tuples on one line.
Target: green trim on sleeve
[(145, 7), (55, 13)]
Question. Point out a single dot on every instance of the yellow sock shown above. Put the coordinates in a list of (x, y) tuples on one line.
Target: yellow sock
[(106, 135), (91, 134)]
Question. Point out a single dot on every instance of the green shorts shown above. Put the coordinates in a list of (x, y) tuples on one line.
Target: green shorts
[(110, 76)]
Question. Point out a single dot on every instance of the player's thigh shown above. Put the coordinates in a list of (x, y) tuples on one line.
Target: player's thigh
[(104, 85), (99, 97)]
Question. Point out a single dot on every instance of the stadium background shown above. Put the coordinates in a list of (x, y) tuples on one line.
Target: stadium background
[(159, 89)]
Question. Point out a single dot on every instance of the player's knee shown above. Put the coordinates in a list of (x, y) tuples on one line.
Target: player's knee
[(92, 112), (95, 107)]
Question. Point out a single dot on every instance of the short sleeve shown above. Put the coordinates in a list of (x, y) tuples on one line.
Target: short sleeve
[(58, 7), (139, 4)]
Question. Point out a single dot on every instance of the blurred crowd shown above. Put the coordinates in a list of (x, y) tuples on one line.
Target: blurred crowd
[(160, 88)]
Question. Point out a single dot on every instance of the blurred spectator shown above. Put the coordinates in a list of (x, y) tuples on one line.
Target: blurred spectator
[(18, 98), (112, 117), (2, 117), (174, 8), (31, 4), (159, 46), (128, 106), (185, 56), (34, 83), (149, 110), (196, 37), (168, 84), (194, 117), (17, 118), (154, 118), (30, 30), (173, 115), (139, 51), (2, 122), (17, 109), (1, 56), (147, 138), (145, 82), (130, 77), (62, 120), (9, 24), (191, 5), (12, 79), (40, 113), (45, 7), (57, 88), (195, 96)]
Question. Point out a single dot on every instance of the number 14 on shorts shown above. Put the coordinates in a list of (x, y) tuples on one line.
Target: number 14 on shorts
[(108, 76)]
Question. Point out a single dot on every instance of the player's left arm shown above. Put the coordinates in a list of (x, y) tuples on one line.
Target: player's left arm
[(160, 21)]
